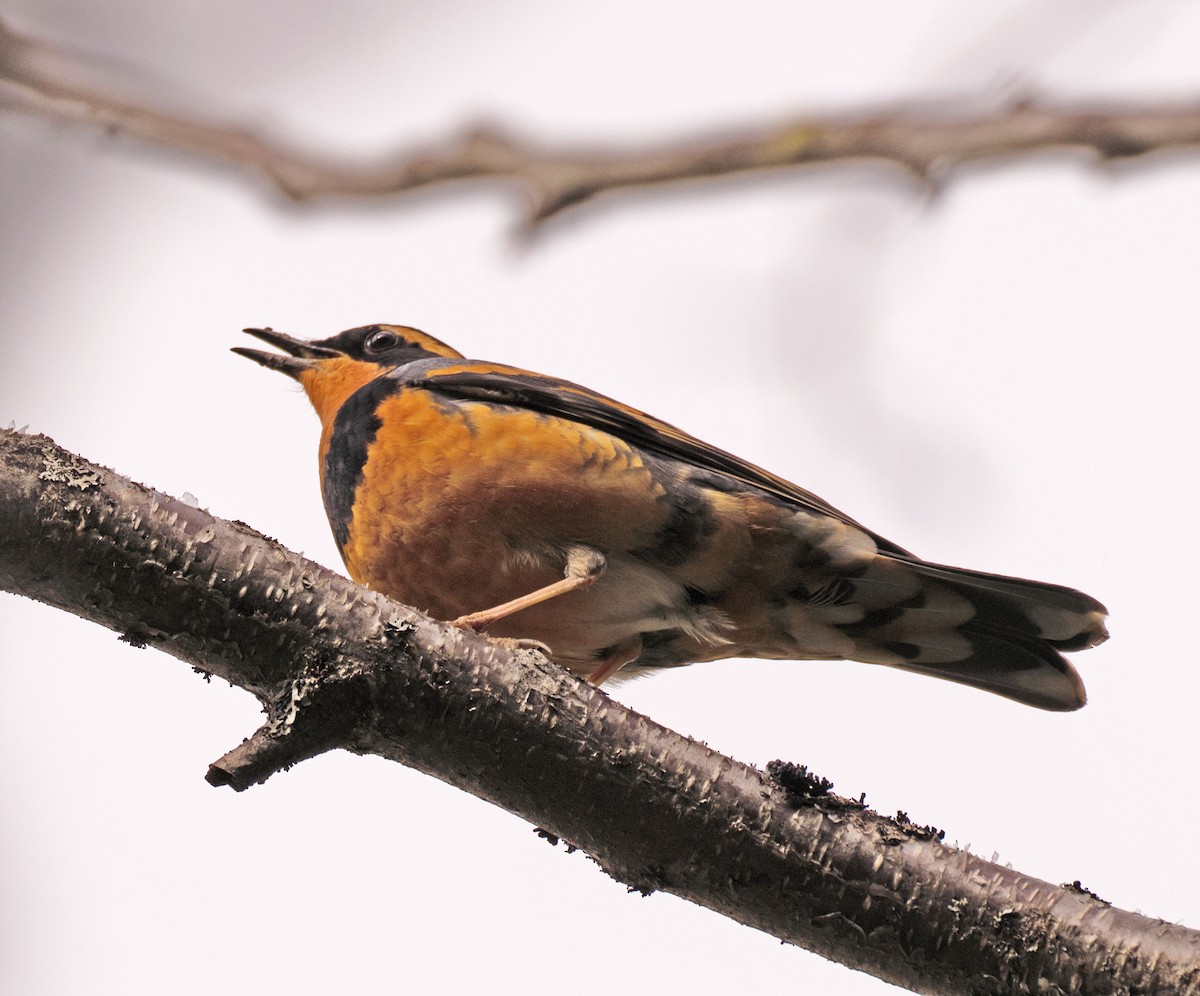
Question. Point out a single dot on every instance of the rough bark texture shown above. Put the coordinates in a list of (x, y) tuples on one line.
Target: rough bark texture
[(339, 666), (920, 143)]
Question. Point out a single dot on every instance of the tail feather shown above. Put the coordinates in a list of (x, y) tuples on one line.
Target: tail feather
[(1065, 618), (1017, 667), (997, 633)]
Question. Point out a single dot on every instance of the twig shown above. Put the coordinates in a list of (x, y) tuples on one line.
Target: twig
[(924, 145)]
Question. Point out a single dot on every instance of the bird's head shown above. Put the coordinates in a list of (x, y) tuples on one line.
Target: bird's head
[(332, 369)]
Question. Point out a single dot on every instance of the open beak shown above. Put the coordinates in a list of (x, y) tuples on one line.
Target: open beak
[(300, 354)]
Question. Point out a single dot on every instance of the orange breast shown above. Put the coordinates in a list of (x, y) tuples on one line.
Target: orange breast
[(464, 506)]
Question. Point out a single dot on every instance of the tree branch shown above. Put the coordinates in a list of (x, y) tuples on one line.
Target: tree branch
[(336, 665), (923, 145)]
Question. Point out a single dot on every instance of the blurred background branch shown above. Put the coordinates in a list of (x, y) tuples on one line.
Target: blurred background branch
[(924, 144)]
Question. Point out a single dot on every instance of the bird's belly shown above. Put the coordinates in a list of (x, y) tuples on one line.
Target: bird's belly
[(631, 603), (628, 602)]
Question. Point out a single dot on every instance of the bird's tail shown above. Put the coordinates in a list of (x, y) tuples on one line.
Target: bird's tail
[(1001, 634)]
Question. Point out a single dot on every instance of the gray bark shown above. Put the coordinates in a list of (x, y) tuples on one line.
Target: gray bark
[(337, 666)]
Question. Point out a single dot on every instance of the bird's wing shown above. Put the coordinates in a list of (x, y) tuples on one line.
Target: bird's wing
[(492, 383)]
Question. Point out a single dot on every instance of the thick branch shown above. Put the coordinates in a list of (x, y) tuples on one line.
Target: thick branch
[(339, 666), (922, 144)]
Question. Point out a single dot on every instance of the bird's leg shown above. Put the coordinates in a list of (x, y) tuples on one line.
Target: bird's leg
[(584, 567), (618, 657)]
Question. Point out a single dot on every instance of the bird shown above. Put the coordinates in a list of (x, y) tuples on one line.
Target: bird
[(546, 514)]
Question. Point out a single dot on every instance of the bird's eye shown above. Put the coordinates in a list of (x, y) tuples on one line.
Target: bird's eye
[(381, 341)]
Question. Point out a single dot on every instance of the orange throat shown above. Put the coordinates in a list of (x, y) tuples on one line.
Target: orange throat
[(328, 383)]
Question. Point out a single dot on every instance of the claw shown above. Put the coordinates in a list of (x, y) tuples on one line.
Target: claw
[(521, 643)]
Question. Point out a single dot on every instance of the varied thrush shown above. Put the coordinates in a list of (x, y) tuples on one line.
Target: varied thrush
[(533, 508)]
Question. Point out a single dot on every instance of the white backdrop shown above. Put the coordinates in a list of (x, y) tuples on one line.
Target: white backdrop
[(1002, 377)]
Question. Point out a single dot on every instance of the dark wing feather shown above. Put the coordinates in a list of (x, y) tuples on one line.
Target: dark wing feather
[(501, 385)]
